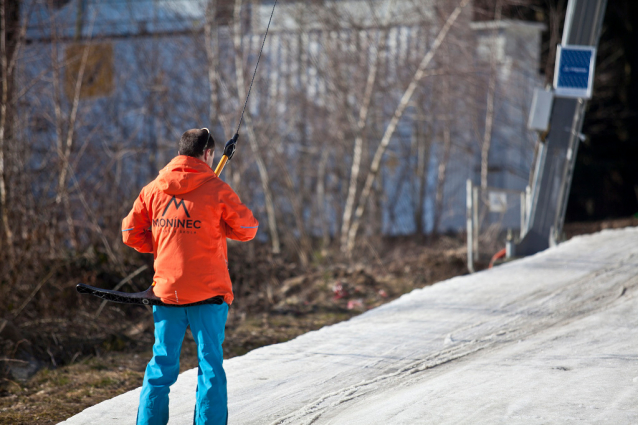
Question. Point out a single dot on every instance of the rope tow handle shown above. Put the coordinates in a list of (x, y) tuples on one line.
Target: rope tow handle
[(229, 151), (231, 145)]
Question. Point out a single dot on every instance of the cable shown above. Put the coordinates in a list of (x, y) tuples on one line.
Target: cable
[(229, 148), (256, 66)]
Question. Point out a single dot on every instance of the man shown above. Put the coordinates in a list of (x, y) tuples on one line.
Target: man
[(184, 217)]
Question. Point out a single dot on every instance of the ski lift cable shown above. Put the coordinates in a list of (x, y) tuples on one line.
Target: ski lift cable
[(229, 149)]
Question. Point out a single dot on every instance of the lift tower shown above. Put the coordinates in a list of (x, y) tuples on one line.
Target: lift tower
[(552, 176)]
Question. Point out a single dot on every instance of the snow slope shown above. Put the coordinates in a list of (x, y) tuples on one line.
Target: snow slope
[(552, 338)]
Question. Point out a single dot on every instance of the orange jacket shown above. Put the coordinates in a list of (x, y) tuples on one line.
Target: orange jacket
[(184, 217)]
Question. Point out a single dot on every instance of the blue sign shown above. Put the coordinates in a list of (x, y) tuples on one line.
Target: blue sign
[(574, 73)]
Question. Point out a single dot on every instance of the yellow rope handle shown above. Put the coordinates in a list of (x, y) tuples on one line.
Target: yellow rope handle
[(221, 165)]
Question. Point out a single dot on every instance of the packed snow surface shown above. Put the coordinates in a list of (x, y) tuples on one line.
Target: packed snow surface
[(552, 338)]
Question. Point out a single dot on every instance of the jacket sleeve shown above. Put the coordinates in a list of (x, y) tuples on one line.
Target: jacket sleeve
[(136, 227), (239, 221)]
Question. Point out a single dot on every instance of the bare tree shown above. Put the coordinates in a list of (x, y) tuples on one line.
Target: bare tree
[(65, 144), (211, 42), (398, 113), (360, 126), (11, 37), (489, 114), (252, 139), (423, 141), (446, 148)]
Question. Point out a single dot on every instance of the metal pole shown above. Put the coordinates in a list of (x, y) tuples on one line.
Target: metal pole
[(475, 208), (523, 213), (554, 170), (468, 219)]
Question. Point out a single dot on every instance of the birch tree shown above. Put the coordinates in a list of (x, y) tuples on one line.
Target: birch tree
[(360, 126), (391, 128)]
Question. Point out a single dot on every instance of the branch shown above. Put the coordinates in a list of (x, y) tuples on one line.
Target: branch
[(358, 141), (120, 284)]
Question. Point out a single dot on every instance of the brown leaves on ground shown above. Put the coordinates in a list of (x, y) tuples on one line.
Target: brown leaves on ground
[(53, 395)]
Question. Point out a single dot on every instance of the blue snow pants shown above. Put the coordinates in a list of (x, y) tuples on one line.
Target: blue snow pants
[(207, 324)]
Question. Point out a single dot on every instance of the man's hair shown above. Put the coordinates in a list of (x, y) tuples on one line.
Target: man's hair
[(195, 142)]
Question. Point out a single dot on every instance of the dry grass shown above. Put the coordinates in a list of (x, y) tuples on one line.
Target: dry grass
[(54, 395)]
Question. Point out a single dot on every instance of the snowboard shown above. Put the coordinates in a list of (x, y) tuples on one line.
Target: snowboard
[(142, 298)]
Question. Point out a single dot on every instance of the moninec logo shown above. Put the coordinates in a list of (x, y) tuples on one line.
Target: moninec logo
[(176, 223), (174, 201)]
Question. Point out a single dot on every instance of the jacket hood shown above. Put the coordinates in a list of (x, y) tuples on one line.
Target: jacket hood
[(184, 174)]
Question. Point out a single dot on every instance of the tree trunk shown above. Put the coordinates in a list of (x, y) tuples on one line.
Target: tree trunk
[(66, 147), (424, 143), (489, 113), (442, 172), (6, 52), (211, 40), (321, 201), (360, 128), (447, 148), (263, 171)]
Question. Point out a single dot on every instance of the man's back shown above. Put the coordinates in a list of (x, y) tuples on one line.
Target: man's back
[(190, 212)]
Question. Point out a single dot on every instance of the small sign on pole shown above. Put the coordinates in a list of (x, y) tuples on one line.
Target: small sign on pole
[(497, 202), (574, 73)]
